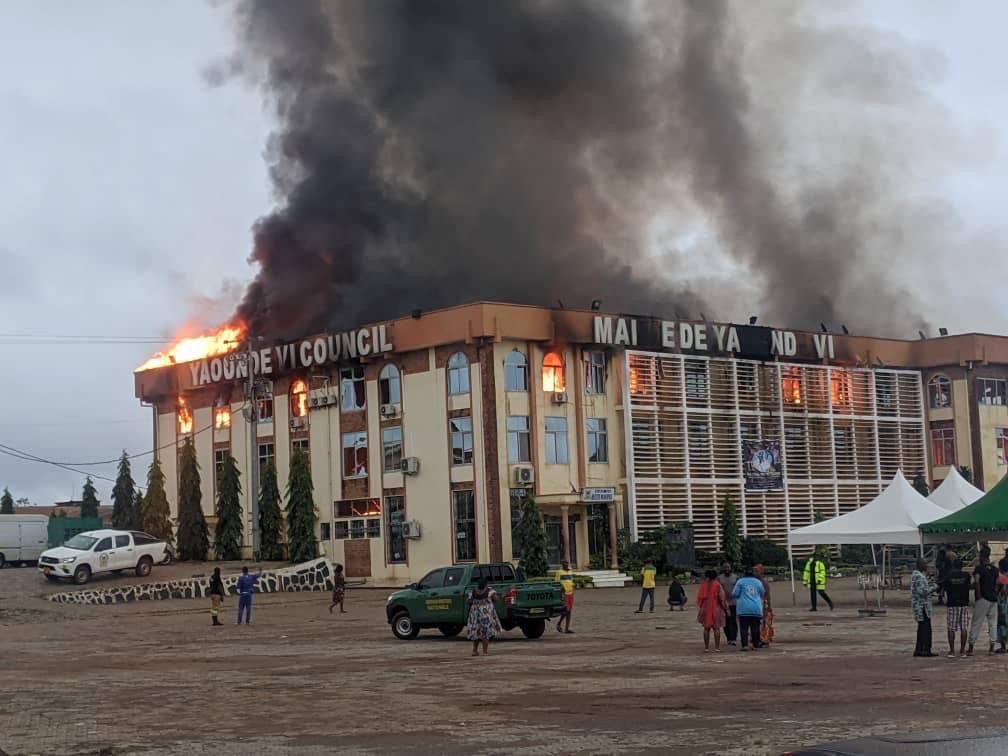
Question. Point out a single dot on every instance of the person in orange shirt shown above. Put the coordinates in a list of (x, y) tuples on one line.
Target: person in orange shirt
[(712, 608)]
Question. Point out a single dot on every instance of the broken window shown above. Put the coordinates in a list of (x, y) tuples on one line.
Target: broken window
[(299, 399), (554, 379)]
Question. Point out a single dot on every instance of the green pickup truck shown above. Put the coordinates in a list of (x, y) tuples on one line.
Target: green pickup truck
[(439, 600)]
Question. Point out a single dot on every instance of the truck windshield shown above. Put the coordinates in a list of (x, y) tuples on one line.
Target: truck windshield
[(81, 542)]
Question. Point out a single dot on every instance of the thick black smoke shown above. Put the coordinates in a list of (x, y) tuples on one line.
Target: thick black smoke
[(434, 152)]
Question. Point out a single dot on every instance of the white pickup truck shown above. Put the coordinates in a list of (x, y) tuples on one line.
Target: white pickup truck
[(95, 551)]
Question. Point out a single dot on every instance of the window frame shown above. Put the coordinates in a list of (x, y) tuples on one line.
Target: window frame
[(516, 372), (1000, 386), (264, 405), (270, 456), (557, 440), (461, 435), (941, 440), (556, 383), (354, 448), (395, 505), (595, 372), (219, 414), (295, 410), (471, 527), (696, 382), (516, 434), (389, 377), (457, 375), (600, 437), (386, 447), (301, 443), (935, 383), (350, 377)]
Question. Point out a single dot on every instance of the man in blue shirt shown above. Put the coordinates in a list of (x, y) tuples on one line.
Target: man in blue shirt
[(748, 593), (246, 587)]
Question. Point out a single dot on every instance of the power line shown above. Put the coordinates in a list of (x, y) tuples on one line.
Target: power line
[(30, 458)]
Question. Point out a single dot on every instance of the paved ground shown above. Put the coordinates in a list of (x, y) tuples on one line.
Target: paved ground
[(155, 677)]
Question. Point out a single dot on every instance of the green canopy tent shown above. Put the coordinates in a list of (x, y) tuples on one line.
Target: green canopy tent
[(986, 519)]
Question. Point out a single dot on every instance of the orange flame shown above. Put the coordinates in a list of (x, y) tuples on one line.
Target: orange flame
[(299, 399), (227, 339), (184, 418)]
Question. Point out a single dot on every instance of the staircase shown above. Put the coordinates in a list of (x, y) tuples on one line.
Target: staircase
[(606, 578)]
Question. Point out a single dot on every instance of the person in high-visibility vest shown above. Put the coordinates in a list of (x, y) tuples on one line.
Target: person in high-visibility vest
[(814, 577)]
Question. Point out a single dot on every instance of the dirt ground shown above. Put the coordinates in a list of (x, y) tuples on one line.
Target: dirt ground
[(155, 677)]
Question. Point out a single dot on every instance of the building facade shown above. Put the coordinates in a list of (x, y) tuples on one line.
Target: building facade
[(424, 434)]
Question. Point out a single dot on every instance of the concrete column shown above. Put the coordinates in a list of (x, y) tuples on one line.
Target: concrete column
[(565, 533), (613, 537)]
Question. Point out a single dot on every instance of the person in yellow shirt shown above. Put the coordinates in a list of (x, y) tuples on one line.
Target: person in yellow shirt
[(647, 585), (565, 577)]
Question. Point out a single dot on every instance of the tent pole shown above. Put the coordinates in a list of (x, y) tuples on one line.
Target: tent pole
[(794, 598)]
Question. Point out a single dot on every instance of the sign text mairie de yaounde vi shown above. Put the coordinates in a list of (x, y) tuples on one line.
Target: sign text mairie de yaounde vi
[(298, 355)]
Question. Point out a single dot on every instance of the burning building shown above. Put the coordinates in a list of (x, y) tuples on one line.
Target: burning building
[(425, 433)]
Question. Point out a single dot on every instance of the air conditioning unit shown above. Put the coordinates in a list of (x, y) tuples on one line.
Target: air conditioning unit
[(411, 529), (411, 465), (560, 397), (297, 423), (316, 401), (524, 475), (389, 410)]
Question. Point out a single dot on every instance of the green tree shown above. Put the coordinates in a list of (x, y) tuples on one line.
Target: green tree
[(6, 503), (530, 540), (921, 485), (270, 518), (155, 513), (123, 496), (301, 542), (731, 540), (89, 501), (193, 534), (228, 535), (138, 511)]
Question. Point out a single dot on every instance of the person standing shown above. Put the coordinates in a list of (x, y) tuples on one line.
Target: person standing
[(483, 624), (957, 592), (246, 587), (766, 626), (814, 577), (942, 567), (565, 577), (338, 589), (984, 601), (920, 601), (647, 585), (519, 571), (749, 593), (217, 594), (728, 580), (1002, 594), (712, 607)]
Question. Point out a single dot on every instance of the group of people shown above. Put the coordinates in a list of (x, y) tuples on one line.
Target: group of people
[(989, 586), (738, 605), (246, 585)]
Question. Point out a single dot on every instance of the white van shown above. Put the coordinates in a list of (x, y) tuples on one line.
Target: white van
[(23, 538)]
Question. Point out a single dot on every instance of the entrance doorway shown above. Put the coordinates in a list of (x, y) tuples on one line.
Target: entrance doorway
[(554, 539)]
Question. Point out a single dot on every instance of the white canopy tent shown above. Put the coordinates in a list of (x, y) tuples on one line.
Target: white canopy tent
[(955, 492), (891, 518)]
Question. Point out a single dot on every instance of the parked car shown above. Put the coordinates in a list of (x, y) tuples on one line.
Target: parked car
[(439, 601), (23, 538), (95, 551)]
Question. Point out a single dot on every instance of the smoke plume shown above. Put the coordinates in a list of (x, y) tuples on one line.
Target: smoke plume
[(662, 157)]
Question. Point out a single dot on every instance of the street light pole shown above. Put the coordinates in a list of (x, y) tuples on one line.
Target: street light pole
[(253, 451)]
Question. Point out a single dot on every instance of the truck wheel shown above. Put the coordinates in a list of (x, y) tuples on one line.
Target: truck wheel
[(533, 628), (403, 627), (143, 568), (82, 574), (450, 631)]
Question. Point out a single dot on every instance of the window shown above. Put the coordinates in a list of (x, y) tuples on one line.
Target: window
[(553, 373), (433, 579), (1001, 435), (518, 496), (325, 531), (104, 544), (264, 405), (990, 391), (299, 399), (357, 528), (358, 508), (598, 440), (698, 438), (389, 385), (464, 514), (556, 441), (222, 418), (341, 530), (395, 516), (266, 456), (458, 374), (453, 576), (374, 528), (595, 372), (943, 443), (122, 540), (840, 388), (392, 448), (518, 439), (302, 445), (461, 440), (184, 419), (516, 372), (939, 392), (791, 392), (355, 455), (352, 394), (220, 458), (843, 445), (696, 383)]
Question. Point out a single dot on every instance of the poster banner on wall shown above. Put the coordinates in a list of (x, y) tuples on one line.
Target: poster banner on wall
[(762, 466)]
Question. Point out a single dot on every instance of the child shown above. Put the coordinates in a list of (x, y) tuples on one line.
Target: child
[(676, 595), (338, 589), (712, 608)]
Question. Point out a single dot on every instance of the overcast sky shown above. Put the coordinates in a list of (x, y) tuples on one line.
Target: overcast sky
[(131, 187)]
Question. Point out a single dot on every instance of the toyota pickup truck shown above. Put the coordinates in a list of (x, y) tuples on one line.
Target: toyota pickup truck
[(87, 554), (439, 601)]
